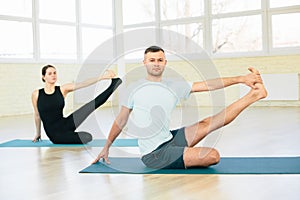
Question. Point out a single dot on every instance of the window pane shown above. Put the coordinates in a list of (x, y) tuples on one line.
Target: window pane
[(285, 34), (192, 31), (21, 8), (138, 11), (92, 38), (237, 34), (282, 3), (226, 6), (58, 42), (96, 12), (137, 54), (61, 10), (174, 9), (16, 39)]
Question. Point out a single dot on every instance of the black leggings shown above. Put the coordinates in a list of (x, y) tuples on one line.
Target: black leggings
[(67, 134)]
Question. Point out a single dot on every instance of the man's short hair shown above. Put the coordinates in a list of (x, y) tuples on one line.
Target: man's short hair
[(153, 49)]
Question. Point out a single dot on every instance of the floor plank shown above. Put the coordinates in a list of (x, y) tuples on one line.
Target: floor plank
[(52, 173)]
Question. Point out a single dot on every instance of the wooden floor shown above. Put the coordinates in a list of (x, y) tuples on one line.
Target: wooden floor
[(52, 173)]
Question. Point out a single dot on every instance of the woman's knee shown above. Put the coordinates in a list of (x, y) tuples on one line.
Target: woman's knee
[(72, 138), (85, 137)]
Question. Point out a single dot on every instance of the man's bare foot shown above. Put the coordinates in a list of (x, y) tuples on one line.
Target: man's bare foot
[(253, 70), (259, 92)]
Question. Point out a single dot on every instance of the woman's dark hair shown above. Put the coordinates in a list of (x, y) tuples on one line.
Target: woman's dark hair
[(153, 49), (44, 69)]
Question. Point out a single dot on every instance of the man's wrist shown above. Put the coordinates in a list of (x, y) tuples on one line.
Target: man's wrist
[(240, 79)]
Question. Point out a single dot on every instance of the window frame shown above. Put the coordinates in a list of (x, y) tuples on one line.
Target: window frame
[(117, 27)]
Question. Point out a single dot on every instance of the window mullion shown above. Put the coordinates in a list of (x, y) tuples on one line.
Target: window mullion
[(36, 30), (158, 25), (78, 31), (118, 42), (266, 27), (207, 33)]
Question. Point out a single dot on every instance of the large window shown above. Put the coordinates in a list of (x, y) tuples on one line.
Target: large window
[(192, 31), (283, 3), (16, 39), (236, 26), (230, 6), (71, 29), (16, 36), (237, 34), (285, 34), (176, 9), (92, 38), (97, 12), (137, 11), (57, 41), (60, 10), (20, 8), (55, 30)]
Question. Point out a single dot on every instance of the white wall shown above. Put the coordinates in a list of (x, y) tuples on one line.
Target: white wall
[(19, 80)]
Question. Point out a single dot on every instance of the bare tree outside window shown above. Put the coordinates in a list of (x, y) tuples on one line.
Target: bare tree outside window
[(180, 9), (282, 3), (230, 6), (137, 11), (177, 9), (230, 26), (236, 34)]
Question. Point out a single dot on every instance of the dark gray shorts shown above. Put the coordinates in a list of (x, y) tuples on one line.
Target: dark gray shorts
[(168, 155)]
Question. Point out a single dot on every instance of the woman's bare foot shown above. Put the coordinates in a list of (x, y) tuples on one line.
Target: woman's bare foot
[(108, 74)]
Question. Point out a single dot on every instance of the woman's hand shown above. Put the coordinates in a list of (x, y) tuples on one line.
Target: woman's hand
[(70, 87)]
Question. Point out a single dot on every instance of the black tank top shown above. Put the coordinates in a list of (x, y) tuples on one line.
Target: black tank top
[(50, 107)]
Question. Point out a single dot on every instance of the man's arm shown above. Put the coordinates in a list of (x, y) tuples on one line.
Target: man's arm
[(213, 84), (115, 131)]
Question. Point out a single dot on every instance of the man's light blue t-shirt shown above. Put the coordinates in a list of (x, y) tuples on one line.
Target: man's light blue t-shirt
[(152, 104)]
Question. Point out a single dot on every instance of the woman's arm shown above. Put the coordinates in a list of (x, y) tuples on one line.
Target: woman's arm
[(70, 87), (37, 118)]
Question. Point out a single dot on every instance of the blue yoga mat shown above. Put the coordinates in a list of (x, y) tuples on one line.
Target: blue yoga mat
[(227, 165), (48, 143)]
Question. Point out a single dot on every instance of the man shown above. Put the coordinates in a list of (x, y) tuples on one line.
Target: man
[(176, 148)]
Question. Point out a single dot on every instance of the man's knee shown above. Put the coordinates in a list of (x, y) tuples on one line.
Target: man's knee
[(201, 157), (214, 157)]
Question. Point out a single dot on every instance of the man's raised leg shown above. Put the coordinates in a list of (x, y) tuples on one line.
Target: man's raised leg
[(203, 156)]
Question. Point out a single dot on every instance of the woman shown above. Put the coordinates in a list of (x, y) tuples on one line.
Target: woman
[(48, 104)]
